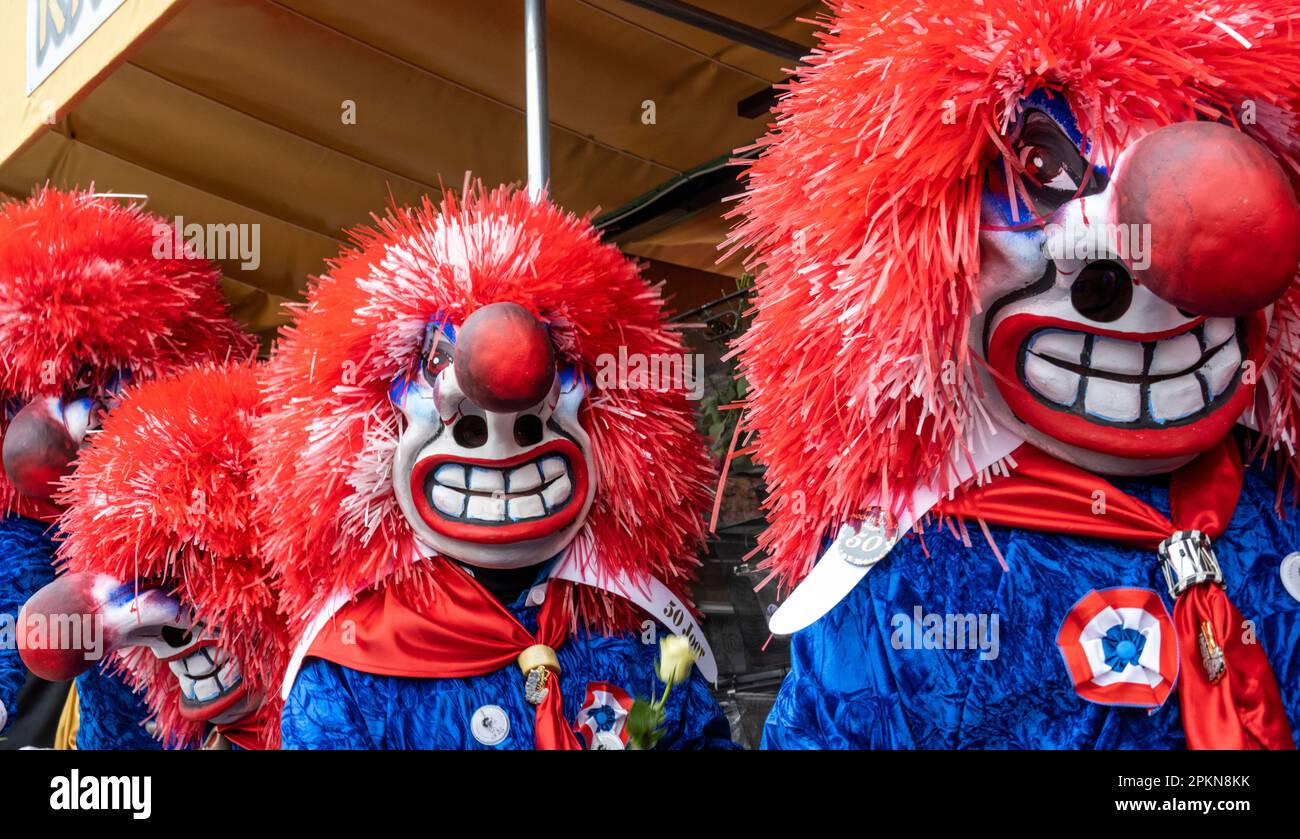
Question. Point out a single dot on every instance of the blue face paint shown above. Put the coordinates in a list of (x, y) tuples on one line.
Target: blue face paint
[(125, 593), (398, 389), (570, 377), (996, 208)]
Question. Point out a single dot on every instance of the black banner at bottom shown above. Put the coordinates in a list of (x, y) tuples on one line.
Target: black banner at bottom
[(50, 787)]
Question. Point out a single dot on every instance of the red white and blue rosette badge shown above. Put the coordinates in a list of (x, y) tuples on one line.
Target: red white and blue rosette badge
[(1120, 647), (602, 721)]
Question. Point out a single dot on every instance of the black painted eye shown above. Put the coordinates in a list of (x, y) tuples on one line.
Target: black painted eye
[(1103, 291), (176, 636), (1052, 168), (470, 431), (1047, 168), (436, 360), (528, 430)]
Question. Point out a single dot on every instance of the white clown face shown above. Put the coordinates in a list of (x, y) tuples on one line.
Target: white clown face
[(119, 616), (210, 680), (1108, 337), (493, 467)]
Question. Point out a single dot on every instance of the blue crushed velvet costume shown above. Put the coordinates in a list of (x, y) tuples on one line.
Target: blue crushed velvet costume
[(112, 717), (336, 707), (26, 552), (110, 713), (849, 688)]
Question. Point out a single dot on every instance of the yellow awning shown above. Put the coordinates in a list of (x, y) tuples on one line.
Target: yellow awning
[(236, 111), (94, 33)]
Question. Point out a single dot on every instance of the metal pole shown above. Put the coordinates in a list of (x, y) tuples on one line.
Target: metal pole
[(539, 138)]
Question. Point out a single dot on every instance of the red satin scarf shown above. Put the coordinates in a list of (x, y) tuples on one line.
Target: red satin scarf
[(1243, 710), (465, 632), (256, 732)]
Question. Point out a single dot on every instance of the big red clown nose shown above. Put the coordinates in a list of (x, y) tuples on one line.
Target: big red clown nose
[(504, 360), (71, 603), (38, 450), (1225, 223)]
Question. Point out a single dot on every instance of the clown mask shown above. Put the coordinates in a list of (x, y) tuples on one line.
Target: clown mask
[(1125, 311), (137, 623), (493, 467)]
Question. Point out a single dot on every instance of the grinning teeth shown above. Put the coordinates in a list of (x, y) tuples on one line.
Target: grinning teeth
[(1111, 356), (199, 664), (451, 475), (1162, 381), (524, 478), (1221, 367), (205, 674), (1056, 383), (1173, 399), (448, 501), (486, 508), (484, 494), (229, 674), (1218, 330), (557, 493), (205, 689), (528, 507), (1112, 400), (1174, 355), (1066, 346), (487, 480)]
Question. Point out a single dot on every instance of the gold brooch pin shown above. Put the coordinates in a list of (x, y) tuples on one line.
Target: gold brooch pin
[(537, 663)]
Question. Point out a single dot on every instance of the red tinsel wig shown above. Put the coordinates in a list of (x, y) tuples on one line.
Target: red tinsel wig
[(863, 211), (163, 496), (327, 439), (83, 299)]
